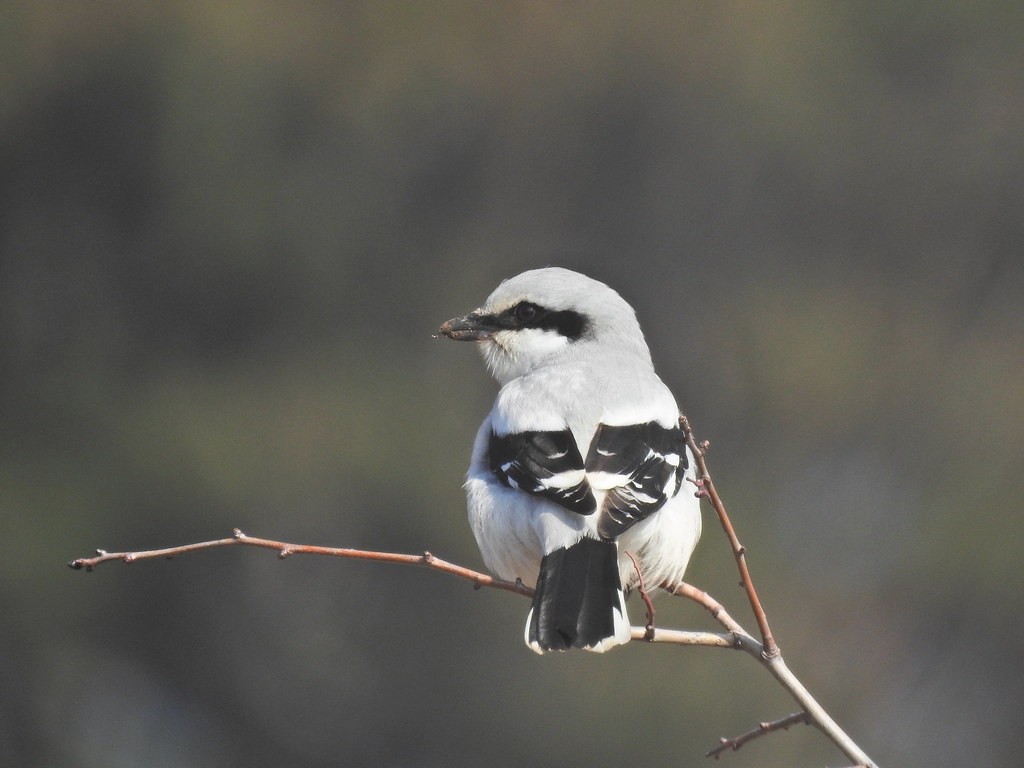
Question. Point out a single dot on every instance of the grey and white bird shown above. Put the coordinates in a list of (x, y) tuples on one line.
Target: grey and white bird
[(576, 481)]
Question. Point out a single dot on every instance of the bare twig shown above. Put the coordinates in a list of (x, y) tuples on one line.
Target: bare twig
[(743, 641), (762, 728), (649, 634), (707, 489), (735, 636), (683, 637), (766, 651), (284, 550), (699, 596), (426, 560), (819, 717)]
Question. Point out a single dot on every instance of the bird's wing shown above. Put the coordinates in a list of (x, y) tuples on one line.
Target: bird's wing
[(547, 464), (641, 466)]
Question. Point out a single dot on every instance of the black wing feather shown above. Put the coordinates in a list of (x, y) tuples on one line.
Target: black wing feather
[(537, 463), (650, 458)]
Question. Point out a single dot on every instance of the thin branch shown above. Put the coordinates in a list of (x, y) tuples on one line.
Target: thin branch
[(426, 560), (778, 669), (735, 636), (707, 489), (642, 591), (762, 729), (284, 550), (766, 652), (715, 608), (683, 637), (817, 713)]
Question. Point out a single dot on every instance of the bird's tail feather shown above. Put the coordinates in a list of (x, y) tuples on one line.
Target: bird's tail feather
[(578, 602)]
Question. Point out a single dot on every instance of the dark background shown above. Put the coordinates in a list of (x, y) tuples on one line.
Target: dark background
[(228, 231)]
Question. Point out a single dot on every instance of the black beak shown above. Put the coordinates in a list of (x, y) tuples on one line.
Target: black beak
[(471, 327)]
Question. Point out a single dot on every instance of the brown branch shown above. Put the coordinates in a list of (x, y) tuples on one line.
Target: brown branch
[(776, 665), (642, 591), (426, 560), (684, 637), (707, 490), (762, 729), (702, 598), (778, 669), (284, 550), (766, 651), (735, 636)]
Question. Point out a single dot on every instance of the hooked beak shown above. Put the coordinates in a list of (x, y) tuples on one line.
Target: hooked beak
[(471, 327)]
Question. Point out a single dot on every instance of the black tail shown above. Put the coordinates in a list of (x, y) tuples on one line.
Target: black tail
[(578, 602)]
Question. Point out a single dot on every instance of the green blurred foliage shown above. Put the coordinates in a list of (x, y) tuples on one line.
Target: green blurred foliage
[(227, 232)]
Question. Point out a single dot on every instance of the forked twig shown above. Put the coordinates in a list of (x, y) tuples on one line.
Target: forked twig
[(762, 729), (734, 637), (766, 651), (426, 560)]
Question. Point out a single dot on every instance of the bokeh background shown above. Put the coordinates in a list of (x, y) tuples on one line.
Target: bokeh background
[(228, 231)]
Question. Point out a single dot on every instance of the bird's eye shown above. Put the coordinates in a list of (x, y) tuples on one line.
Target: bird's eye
[(526, 312)]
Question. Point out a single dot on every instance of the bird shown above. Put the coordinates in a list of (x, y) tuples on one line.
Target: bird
[(576, 480)]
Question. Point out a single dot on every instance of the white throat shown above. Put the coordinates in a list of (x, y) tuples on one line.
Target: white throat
[(511, 354)]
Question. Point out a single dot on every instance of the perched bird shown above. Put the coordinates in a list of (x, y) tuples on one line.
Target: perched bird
[(576, 479)]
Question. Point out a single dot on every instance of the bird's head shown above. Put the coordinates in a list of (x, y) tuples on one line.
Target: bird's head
[(544, 315)]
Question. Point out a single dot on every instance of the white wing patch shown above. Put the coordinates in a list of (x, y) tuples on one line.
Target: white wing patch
[(639, 465), (547, 464)]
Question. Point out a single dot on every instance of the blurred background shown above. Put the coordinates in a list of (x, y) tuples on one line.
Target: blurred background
[(228, 231)]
